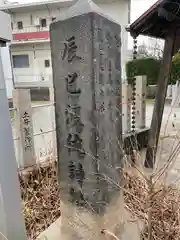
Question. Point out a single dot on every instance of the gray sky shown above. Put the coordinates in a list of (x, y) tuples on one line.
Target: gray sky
[(139, 7)]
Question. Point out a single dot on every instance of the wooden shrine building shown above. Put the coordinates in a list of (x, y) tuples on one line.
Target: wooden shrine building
[(161, 21)]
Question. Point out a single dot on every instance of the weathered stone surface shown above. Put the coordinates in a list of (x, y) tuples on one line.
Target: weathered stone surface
[(140, 111), (83, 7), (24, 127), (80, 224), (87, 83)]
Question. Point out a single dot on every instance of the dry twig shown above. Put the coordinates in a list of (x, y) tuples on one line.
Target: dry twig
[(159, 211), (41, 199)]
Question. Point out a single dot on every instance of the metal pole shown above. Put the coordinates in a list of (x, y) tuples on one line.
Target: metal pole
[(10, 189)]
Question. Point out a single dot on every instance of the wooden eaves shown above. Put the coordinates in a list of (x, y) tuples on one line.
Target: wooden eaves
[(162, 21)]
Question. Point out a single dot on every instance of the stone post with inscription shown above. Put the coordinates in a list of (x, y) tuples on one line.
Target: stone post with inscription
[(24, 127), (86, 60), (140, 118), (126, 107)]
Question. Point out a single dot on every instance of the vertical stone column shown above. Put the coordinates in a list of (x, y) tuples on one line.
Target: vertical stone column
[(24, 126), (175, 95), (169, 92), (141, 82), (87, 82), (11, 219), (126, 108)]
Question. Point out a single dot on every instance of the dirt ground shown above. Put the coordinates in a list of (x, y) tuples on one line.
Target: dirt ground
[(169, 143)]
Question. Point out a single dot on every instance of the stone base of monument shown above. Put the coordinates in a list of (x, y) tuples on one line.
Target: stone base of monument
[(80, 224)]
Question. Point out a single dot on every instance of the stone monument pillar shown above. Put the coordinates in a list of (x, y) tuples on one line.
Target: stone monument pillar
[(126, 107), (24, 127), (86, 54), (140, 118)]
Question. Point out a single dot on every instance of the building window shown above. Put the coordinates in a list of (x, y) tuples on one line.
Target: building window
[(47, 63), (43, 22), (53, 18), (20, 25), (20, 61)]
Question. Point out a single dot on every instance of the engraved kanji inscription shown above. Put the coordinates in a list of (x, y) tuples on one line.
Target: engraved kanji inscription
[(73, 118), (71, 84), (75, 143), (26, 118), (28, 142), (76, 174), (70, 49)]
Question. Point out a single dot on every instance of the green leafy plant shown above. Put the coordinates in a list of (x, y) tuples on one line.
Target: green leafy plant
[(143, 66), (150, 67), (175, 70)]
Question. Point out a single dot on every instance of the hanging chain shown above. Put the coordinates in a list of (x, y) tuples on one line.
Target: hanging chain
[(134, 88), (133, 127)]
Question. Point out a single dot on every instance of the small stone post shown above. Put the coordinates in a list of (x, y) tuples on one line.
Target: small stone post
[(175, 95), (141, 82), (24, 126), (169, 92), (54, 142), (126, 107), (87, 82)]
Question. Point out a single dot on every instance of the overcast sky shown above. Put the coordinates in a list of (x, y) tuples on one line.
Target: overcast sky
[(140, 6)]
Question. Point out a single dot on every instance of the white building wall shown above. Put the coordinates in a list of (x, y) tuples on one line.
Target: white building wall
[(29, 18), (38, 52), (16, 17)]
